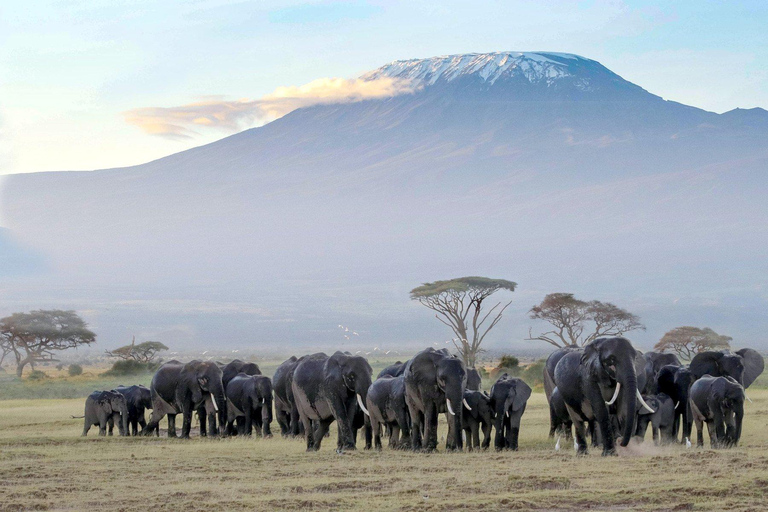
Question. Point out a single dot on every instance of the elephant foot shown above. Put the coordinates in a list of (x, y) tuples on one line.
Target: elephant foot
[(610, 453)]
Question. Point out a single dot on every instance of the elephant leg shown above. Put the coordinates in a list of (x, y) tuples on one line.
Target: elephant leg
[(581, 437), (297, 424), (400, 430), (376, 427), (417, 418), (282, 421), (594, 433), (171, 425), (247, 422), (154, 422), (103, 427), (86, 427), (430, 428), (676, 426), (320, 431), (394, 436), (308, 433), (655, 427), (700, 433), (475, 435), (498, 441), (487, 427), (110, 424), (186, 422), (712, 431)]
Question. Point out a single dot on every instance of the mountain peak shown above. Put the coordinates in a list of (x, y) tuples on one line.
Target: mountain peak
[(536, 67)]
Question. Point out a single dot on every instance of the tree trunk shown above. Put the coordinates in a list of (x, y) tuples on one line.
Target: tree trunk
[(20, 367)]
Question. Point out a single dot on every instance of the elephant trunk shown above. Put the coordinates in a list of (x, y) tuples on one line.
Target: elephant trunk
[(454, 402), (738, 417), (628, 379)]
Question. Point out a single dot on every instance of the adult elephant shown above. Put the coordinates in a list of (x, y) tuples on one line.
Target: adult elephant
[(718, 402), (327, 389), (179, 388), (387, 408), (654, 362), (603, 375), (435, 383), (744, 365), (102, 408), (286, 413), (474, 381), (560, 420), (509, 396), (250, 397), (549, 382), (230, 370), (478, 414), (393, 370), (676, 382), (138, 399)]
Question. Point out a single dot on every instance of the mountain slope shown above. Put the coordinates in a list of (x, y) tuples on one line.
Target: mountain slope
[(543, 168)]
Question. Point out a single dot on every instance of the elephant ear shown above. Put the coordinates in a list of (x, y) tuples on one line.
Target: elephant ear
[(754, 364), (591, 356), (652, 402), (707, 362), (522, 394)]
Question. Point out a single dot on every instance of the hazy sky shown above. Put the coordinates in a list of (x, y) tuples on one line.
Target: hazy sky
[(73, 72)]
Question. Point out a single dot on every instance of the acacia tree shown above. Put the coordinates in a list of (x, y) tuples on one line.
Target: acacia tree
[(35, 336), (576, 322), (688, 341), (143, 352), (458, 303)]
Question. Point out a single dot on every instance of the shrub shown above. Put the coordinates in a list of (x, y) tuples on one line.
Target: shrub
[(129, 367), (60, 366), (75, 370), (38, 375), (533, 375), (508, 361)]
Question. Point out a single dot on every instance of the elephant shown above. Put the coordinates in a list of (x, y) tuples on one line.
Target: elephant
[(331, 388), (386, 407), (250, 397), (559, 419), (230, 370), (662, 421), (179, 388), (590, 381), (549, 380), (138, 399), (434, 383), (509, 395), (654, 361), (675, 382), (393, 370), (477, 414), (102, 408), (744, 365), (718, 401), (285, 406), (474, 381)]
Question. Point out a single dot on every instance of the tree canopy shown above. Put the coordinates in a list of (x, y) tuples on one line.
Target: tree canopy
[(143, 352), (458, 304), (688, 341), (576, 322), (35, 336)]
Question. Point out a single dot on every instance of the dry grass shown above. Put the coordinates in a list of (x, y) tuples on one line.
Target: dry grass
[(44, 465)]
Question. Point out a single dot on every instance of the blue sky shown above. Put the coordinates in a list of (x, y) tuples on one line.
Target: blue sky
[(70, 70)]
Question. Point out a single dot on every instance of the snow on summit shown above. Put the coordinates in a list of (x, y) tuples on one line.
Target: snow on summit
[(536, 67)]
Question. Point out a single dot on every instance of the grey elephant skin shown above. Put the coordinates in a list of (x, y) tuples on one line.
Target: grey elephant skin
[(103, 408), (179, 388), (662, 420), (435, 383), (478, 415), (548, 375), (474, 380), (387, 408), (509, 396), (560, 420), (744, 365), (676, 382), (235, 367), (654, 362), (393, 370), (588, 380), (138, 399), (286, 413), (331, 388), (718, 402), (249, 397)]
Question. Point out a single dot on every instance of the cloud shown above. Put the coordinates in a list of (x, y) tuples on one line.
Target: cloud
[(182, 122)]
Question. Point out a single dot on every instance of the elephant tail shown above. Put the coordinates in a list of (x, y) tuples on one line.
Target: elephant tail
[(78, 417)]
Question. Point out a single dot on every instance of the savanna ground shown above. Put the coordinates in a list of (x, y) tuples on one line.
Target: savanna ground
[(45, 465)]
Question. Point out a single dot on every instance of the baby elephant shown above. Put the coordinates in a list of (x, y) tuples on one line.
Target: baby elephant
[(718, 401), (477, 414), (662, 421), (508, 398), (249, 397), (559, 419), (102, 408), (387, 408)]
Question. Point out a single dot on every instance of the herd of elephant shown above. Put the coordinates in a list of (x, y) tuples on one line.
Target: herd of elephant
[(606, 387)]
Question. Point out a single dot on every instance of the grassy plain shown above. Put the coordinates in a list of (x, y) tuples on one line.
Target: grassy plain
[(44, 465)]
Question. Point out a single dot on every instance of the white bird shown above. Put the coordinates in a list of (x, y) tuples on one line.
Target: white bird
[(341, 326), (687, 443), (347, 337), (353, 332), (375, 348), (346, 329), (358, 351), (575, 444), (367, 353), (447, 342), (557, 444), (235, 351), (387, 352), (204, 352), (434, 343)]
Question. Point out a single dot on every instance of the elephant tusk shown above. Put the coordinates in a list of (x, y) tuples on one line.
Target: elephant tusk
[(450, 409), (640, 397), (360, 402), (745, 396), (466, 404), (677, 404), (507, 413), (615, 394), (215, 405)]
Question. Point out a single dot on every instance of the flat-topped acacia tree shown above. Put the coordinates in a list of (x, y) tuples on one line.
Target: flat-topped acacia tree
[(459, 305)]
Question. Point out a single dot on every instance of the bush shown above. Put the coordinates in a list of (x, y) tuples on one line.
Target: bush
[(533, 375), (508, 361), (60, 366), (75, 370), (38, 375), (129, 367)]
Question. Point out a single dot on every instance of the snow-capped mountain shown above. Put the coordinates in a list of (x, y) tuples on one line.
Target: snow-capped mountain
[(543, 168)]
